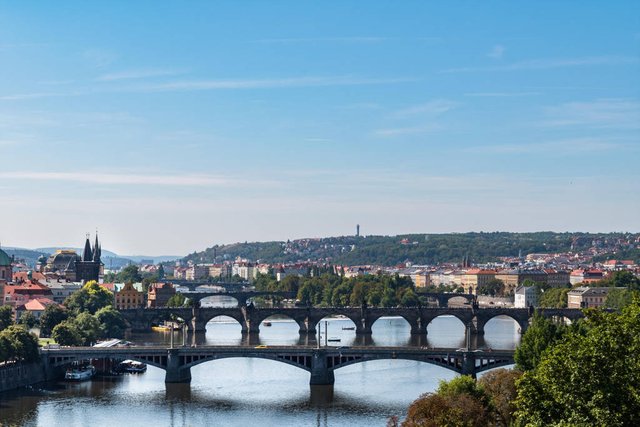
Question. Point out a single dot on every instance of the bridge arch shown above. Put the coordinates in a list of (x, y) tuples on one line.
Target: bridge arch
[(204, 318), (301, 321), (157, 361), (299, 361), (480, 320), (314, 320)]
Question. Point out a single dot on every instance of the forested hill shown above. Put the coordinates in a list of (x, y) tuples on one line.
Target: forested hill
[(417, 248)]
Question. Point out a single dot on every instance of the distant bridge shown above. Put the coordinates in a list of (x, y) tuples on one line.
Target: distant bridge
[(363, 318), (319, 362)]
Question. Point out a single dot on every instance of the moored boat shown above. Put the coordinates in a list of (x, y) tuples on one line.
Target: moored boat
[(80, 373), (132, 367)]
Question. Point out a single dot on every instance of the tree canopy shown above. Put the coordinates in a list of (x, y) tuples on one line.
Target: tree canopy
[(590, 377), (92, 297)]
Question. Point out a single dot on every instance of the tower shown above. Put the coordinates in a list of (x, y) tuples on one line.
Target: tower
[(89, 266), (357, 230)]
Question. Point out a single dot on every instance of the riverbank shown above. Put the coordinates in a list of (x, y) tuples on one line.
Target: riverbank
[(16, 375)]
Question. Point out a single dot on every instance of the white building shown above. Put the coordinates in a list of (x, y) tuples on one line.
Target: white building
[(525, 296)]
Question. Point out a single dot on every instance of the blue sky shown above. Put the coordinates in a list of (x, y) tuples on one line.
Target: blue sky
[(172, 126)]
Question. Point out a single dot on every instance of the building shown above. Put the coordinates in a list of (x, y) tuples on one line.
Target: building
[(557, 278), (476, 277), (586, 276), (74, 268), (6, 268), (585, 297), (525, 296), (16, 295), (129, 297), (197, 272), (36, 306), (159, 294)]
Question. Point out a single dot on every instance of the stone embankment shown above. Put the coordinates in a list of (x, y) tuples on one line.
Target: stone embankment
[(16, 375)]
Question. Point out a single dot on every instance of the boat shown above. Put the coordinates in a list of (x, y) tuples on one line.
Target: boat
[(80, 373), (348, 328), (266, 323), (132, 366), (334, 340)]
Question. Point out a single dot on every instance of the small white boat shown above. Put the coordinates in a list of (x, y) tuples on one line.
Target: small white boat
[(80, 373), (133, 366), (334, 340)]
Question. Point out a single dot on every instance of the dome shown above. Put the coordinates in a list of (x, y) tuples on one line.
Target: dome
[(5, 260)]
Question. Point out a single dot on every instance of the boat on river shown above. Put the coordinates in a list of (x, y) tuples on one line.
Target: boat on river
[(266, 323), (334, 340), (132, 367), (80, 373), (348, 328)]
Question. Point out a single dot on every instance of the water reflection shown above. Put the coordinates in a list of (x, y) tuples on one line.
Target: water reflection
[(241, 391)]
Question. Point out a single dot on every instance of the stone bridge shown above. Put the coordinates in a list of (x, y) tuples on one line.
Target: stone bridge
[(241, 296), (319, 362), (363, 318)]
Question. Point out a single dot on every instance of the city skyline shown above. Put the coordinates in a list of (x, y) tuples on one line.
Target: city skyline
[(171, 129)]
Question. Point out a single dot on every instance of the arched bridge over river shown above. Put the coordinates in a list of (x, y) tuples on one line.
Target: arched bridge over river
[(319, 362), (308, 318)]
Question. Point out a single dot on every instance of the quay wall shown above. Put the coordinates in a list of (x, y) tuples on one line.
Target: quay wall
[(16, 375)]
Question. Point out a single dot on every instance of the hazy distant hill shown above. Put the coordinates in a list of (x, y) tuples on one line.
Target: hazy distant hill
[(417, 248), (109, 259)]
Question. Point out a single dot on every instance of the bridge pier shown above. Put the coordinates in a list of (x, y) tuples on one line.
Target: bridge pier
[(321, 374), (469, 364), (175, 372), (418, 327)]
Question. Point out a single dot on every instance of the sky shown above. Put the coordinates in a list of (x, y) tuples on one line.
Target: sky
[(173, 126)]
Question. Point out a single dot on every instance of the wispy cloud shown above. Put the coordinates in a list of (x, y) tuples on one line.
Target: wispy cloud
[(299, 40), (99, 57), (501, 94), (138, 74), (572, 146), (543, 64), (288, 82), (601, 113), (408, 130), (431, 108), (217, 84), (497, 52), (122, 179)]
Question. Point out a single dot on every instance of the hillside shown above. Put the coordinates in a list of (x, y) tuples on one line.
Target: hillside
[(417, 248)]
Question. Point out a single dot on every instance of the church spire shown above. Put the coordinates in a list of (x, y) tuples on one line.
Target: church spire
[(87, 255), (96, 250)]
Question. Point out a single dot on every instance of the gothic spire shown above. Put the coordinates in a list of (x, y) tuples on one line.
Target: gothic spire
[(87, 255), (97, 252)]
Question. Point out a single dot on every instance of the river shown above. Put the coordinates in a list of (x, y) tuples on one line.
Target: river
[(244, 391)]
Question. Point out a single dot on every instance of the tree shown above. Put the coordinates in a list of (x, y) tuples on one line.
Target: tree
[(112, 324), (16, 343), (179, 300), (622, 279), (6, 317), (66, 333), (554, 298), (129, 274), (620, 298), (541, 334), (409, 299), (494, 287), (591, 377), (91, 298), (28, 319), (459, 402), (88, 327), (500, 386), (53, 315)]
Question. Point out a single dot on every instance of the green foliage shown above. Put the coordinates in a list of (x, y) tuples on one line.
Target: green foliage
[(500, 387), (16, 343), (591, 377), (459, 402), (89, 328), (67, 333), (424, 248), (53, 314), (112, 324), (91, 298), (129, 274), (28, 319), (621, 279), (554, 298), (179, 300), (494, 287), (541, 334), (6, 317), (619, 298)]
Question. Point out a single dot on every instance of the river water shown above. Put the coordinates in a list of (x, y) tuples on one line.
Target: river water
[(245, 391)]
